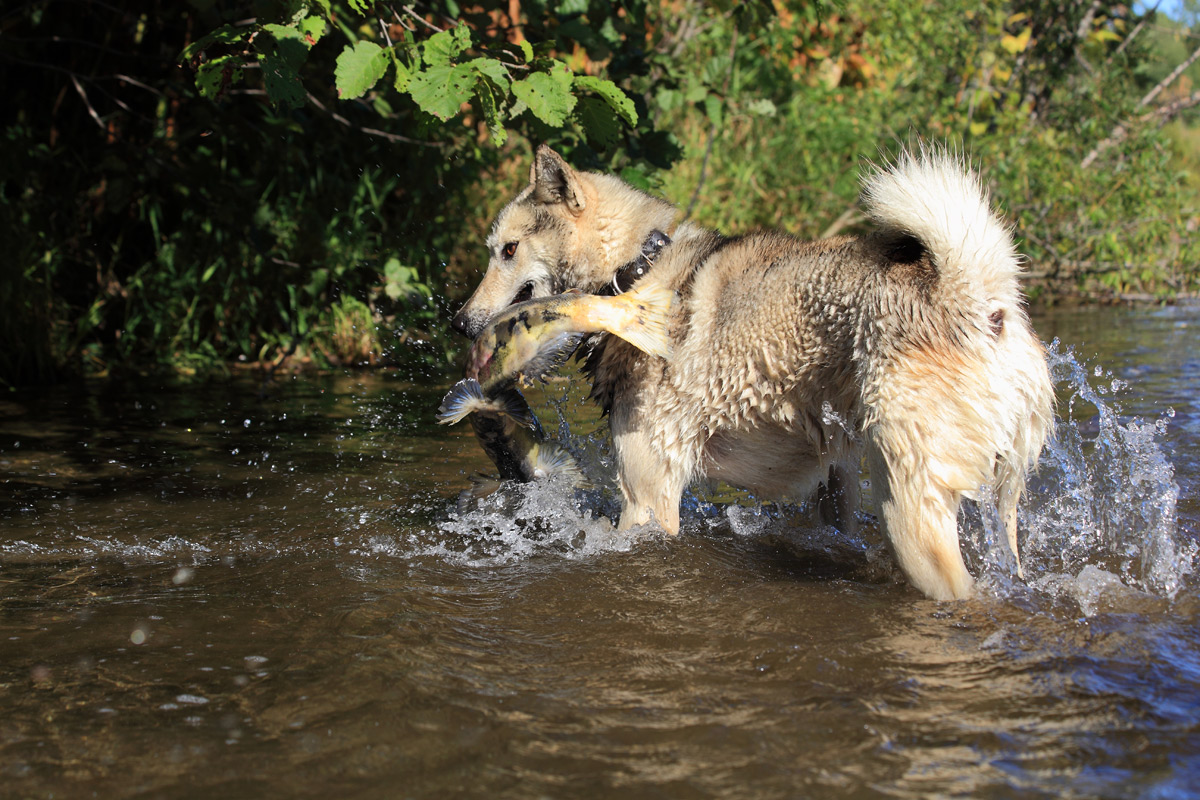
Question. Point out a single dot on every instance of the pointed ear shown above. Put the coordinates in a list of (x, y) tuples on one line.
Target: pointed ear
[(554, 181)]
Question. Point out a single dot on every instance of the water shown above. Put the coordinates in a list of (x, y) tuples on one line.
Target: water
[(252, 591)]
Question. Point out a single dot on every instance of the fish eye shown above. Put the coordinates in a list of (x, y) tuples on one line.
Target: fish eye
[(509, 250)]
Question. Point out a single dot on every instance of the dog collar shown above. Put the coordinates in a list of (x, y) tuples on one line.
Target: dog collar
[(630, 273)]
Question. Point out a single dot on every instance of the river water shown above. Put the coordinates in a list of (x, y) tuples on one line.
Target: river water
[(249, 590)]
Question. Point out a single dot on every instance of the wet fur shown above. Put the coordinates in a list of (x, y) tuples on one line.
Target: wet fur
[(792, 359)]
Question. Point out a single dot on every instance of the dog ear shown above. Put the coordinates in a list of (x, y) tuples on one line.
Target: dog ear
[(554, 181)]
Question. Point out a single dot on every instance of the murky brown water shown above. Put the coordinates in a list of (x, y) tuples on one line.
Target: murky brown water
[(211, 592)]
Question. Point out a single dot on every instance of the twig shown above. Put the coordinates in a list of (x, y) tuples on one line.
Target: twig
[(86, 101), (1162, 114), (848, 217), (409, 10), (137, 83), (1128, 39), (391, 137), (1167, 81), (1081, 32)]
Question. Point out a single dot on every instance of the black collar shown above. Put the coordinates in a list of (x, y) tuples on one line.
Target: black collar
[(630, 273)]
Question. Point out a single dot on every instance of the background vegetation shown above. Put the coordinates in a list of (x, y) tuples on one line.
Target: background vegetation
[(187, 186)]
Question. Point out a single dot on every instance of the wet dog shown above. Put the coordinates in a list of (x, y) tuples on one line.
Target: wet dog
[(794, 359)]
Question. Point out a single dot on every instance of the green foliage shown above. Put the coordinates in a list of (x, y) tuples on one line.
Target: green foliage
[(316, 182), (451, 71), (1008, 84)]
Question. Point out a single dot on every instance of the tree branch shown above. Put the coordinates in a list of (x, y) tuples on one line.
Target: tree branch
[(1121, 130), (1129, 39)]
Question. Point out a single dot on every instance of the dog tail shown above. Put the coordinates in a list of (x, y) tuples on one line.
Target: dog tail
[(937, 198)]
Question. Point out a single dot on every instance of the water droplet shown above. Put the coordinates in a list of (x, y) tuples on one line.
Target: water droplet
[(191, 699)]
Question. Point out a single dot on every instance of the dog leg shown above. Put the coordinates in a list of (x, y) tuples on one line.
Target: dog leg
[(920, 520), (650, 487), (837, 498), (1009, 495)]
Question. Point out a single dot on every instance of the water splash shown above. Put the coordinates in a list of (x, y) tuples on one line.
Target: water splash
[(1098, 519), (1099, 515), (520, 521)]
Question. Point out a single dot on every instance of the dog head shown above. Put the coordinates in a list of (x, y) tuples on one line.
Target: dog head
[(565, 230), (530, 244)]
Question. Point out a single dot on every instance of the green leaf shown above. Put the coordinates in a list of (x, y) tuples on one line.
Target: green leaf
[(313, 28), (599, 122), (442, 48), (359, 67), (715, 109), (226, 34), (442, 90), (668, 99), (762, 107), (491, 69), (548, 94), (282, 80), (489, 102), (404, 75), (215, 76), (282, 52), (612, 94)]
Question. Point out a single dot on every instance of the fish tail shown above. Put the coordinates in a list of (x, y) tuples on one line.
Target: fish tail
[(466, 397), (648, 324)]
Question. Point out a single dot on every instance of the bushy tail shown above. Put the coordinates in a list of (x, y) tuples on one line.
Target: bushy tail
[(934, 196)]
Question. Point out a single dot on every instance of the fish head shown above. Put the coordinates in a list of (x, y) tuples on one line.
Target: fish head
[(480, 358)]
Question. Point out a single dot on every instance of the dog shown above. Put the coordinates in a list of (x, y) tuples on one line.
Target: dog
[(909, 345)]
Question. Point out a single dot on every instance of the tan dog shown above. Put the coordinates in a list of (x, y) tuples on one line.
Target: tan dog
[(792, 358)]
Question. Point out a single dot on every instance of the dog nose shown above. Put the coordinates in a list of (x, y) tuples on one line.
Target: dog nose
[(461, 324)]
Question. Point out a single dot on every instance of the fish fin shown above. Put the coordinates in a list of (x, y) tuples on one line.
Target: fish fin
[(464, 397), (650, 330), (481, 486), (551, 459), (512, 404), (553, 354)]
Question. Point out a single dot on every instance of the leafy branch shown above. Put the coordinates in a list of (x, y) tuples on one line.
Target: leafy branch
[(445, 71)]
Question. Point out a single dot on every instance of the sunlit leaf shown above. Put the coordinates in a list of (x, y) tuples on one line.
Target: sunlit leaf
[(548, 94), (442, 90), (1015, 44), (611, 93), (359, 67)]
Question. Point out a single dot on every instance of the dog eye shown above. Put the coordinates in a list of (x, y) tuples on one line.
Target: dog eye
[(509, 250)]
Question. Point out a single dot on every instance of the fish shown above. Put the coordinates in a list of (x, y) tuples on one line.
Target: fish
[(530, 340), (533, 338), (509, 433)]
